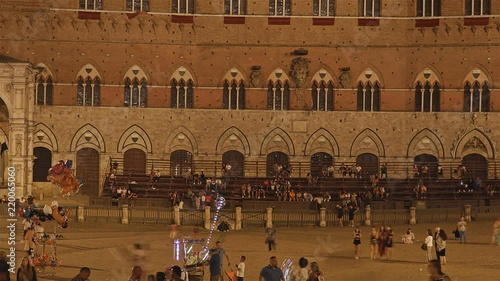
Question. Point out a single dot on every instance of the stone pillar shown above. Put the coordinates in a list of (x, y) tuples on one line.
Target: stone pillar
[(237, 216), (80, 214), (207, 217), (368, 219), (177, 215), (413, 215), (468, 209), (322, 217), (269, 218), (124, 214)]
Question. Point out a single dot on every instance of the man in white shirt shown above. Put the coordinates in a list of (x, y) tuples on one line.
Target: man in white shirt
[(240, 273)]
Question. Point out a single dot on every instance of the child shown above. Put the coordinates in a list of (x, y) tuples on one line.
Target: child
[(240, 273), (456, 233)]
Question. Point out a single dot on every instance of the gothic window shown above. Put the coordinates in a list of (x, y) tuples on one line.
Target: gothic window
[(233, 95), (477, 7), (235, 7), (181, 93), (368, 96), (428, 8), (183, 6), (278, 95), (135, 90), (324, 8), (138, 5), (44, 90), (369, 8), (427, 97), (322, 96), (135, 93), (90, 4), (88, 91), (280, 7), (476, 97)]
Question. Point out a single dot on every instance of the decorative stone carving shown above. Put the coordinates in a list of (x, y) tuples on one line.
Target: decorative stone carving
[(299, 70), (8, 87), (18, 145), (474, 142), (447, 28), (255, 76), (345, 77)]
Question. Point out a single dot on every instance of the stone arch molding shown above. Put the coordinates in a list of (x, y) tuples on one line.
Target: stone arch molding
[(322, 141), (181, 138), (474, 142), (135, 137), (277, 140), (44, 137), (367, 141), (88, 136), (233, 139), (425, 142)]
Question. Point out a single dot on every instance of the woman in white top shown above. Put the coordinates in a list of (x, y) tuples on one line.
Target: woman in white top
[(429, 241), (302, 274)]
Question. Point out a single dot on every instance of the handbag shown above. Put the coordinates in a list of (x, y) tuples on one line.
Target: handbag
[(424, 247)]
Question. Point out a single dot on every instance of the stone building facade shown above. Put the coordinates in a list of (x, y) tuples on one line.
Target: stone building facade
[(371, 81)]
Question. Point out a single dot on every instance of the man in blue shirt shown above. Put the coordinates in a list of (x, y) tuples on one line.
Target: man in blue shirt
[(214, 263), (271, 272)]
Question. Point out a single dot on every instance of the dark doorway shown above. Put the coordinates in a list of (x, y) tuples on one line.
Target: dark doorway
[(476, 166), (87, 169), (430, 161), (181, 163), (237, 161), (41, 164), (278, 158), (369, 164), (134, 162), (318, 160)]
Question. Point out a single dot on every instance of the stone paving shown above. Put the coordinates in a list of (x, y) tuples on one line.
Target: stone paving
[(107, 250)]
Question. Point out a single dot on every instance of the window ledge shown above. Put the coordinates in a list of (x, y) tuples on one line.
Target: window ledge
[(89, 15), (132, 15), (426, 22), (234, 20), (468, 21), (324, 21), (182, 18), (278, 20), (368, 22)]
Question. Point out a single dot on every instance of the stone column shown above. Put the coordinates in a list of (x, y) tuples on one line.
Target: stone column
[(177, 215), (269, 218), (124, 214), (322, 217), (368, 220), (80, 214), (468, 209), (413, 215), (207, 217), (237, 225)]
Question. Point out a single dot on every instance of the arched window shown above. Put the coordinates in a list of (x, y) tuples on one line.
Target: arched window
[(138, 5), (44, 89), (476, 98), (181, 163), (41, 164), (235, 7), (135, 90), (427, 98), (233, 95), (477, 7), (183, 6), (182, 94), (280, 7), (90, 4), (368, 97), (324, 8), (278, 95), (322, 96), (428, 8), (369, 8), (88, 87)]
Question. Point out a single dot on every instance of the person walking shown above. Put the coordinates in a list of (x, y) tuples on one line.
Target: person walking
[(441, 246), (271, 239), (357, 242), (222, 252), (215, 265), (436, 237), (240, 268), (26, 271), (462, 230), (272, 272), (373, 243), (436, 274), (429, 242)]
